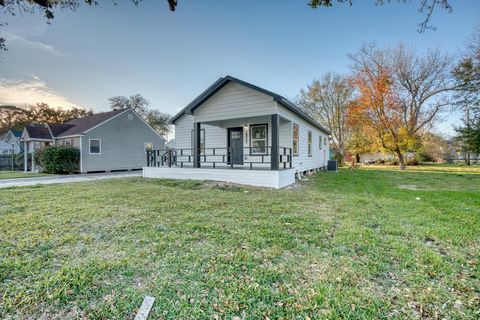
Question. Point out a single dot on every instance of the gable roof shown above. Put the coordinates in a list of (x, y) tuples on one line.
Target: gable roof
[(38, 131), (16, 133), (80, 125), (222, 82)]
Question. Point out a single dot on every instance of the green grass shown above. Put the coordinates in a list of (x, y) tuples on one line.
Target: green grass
[(436, 167), (359, 244), (19, 174)]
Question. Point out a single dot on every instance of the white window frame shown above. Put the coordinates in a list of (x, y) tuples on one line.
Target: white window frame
[(253, 139), (295, 154), (90, 146), (309, 143)]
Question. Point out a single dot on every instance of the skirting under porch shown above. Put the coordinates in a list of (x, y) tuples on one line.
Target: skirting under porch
[(261, 178)]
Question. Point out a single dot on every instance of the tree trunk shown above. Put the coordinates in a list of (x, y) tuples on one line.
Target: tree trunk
[(401, 160), (467, 158)]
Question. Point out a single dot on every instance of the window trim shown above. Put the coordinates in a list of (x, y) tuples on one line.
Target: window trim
[(266, 139), (90, 146), (320, 140), (309, 143), (295, 154)]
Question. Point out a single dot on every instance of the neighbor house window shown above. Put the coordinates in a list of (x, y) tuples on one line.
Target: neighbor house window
[(148, 146), (295, 139), (68, 142), (95, 146), (258, 139), (202, 141), (310, 143)]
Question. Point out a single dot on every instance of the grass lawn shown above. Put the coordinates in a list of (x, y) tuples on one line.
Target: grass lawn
[(19, 174), (441, 168), (359, 244)]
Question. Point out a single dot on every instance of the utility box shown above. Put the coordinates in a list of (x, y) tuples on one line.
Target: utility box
[(332, 165)]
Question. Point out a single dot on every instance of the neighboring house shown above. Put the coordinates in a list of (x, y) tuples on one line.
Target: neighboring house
[(109, 141), (5, 148), (13, 139), (236, 125)]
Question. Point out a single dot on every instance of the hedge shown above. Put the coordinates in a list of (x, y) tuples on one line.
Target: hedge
[(57, 159)]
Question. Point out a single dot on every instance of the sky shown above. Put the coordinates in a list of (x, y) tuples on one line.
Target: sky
[(84, 57)]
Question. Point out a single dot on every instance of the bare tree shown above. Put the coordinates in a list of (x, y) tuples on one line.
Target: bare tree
[(327, 100)]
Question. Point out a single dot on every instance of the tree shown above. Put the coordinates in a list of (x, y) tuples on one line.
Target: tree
[(327, 100), (159, 121), (23, 7), (400, 94), (9, 117), (426, 7), (467, 98), (12, 116)]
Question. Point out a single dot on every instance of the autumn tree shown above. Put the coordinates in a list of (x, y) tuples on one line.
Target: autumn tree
[(400, 94), (10, 117), (327, 100)]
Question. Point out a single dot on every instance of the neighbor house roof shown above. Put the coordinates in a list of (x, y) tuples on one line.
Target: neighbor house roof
[(222, 82), (16, 133), (38, 131), (80, 125)]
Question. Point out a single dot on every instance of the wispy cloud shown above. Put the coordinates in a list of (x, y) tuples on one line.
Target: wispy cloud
[(31, 91), (15, 39)]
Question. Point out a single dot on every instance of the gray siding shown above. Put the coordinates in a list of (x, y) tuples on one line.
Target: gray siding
[(319, 157), (234, 101), (122, 144)]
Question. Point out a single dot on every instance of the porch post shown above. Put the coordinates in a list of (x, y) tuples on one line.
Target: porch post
[(25, 156), (196, 144), (274, 154), (33, 156)]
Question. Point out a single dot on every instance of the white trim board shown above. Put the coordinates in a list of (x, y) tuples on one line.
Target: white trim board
[(259, 178)]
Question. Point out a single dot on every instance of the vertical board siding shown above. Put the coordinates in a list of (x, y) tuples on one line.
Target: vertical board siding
[(122, 145)]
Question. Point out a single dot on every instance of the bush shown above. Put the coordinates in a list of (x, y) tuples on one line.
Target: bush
[(423, 156), (59, 159)]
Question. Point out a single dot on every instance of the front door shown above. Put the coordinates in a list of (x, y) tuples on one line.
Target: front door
[(235, 145)]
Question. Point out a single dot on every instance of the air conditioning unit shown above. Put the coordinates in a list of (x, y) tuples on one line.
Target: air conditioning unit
[(332, 165)]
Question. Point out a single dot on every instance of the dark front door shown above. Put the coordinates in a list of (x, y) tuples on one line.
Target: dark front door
[(235, 145)]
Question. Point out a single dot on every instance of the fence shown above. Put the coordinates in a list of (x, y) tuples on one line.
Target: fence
[(11, 162)]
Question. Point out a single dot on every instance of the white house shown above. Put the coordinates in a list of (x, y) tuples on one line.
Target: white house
[(236, 125), (13, 139)]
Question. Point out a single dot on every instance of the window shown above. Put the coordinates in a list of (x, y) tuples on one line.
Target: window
[(320, 142), (309, 143), (202, 141), (95, 146), (258, 139), (148, 146), (68, 142), (295, 139), (325, 141)]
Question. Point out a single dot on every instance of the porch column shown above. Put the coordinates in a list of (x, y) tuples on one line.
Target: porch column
[(196, 144), (33, 156), (274, 154), (25, 156)]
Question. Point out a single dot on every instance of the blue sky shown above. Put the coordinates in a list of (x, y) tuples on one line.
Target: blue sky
[(87, 56)]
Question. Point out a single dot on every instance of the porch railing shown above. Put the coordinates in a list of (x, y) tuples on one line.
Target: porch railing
[(223, 157)]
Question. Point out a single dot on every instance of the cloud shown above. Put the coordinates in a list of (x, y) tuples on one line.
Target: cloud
[(31, 91), (14, 39)]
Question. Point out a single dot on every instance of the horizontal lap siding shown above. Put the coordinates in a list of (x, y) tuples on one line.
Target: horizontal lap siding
[(234, 101), (122, 145), (303, 162)]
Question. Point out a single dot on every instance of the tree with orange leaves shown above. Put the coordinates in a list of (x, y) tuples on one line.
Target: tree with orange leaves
[(400, 95)]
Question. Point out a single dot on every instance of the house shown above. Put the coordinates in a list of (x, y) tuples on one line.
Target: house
[(108, 141), (5, 148), (13, 139), (236, 125)]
